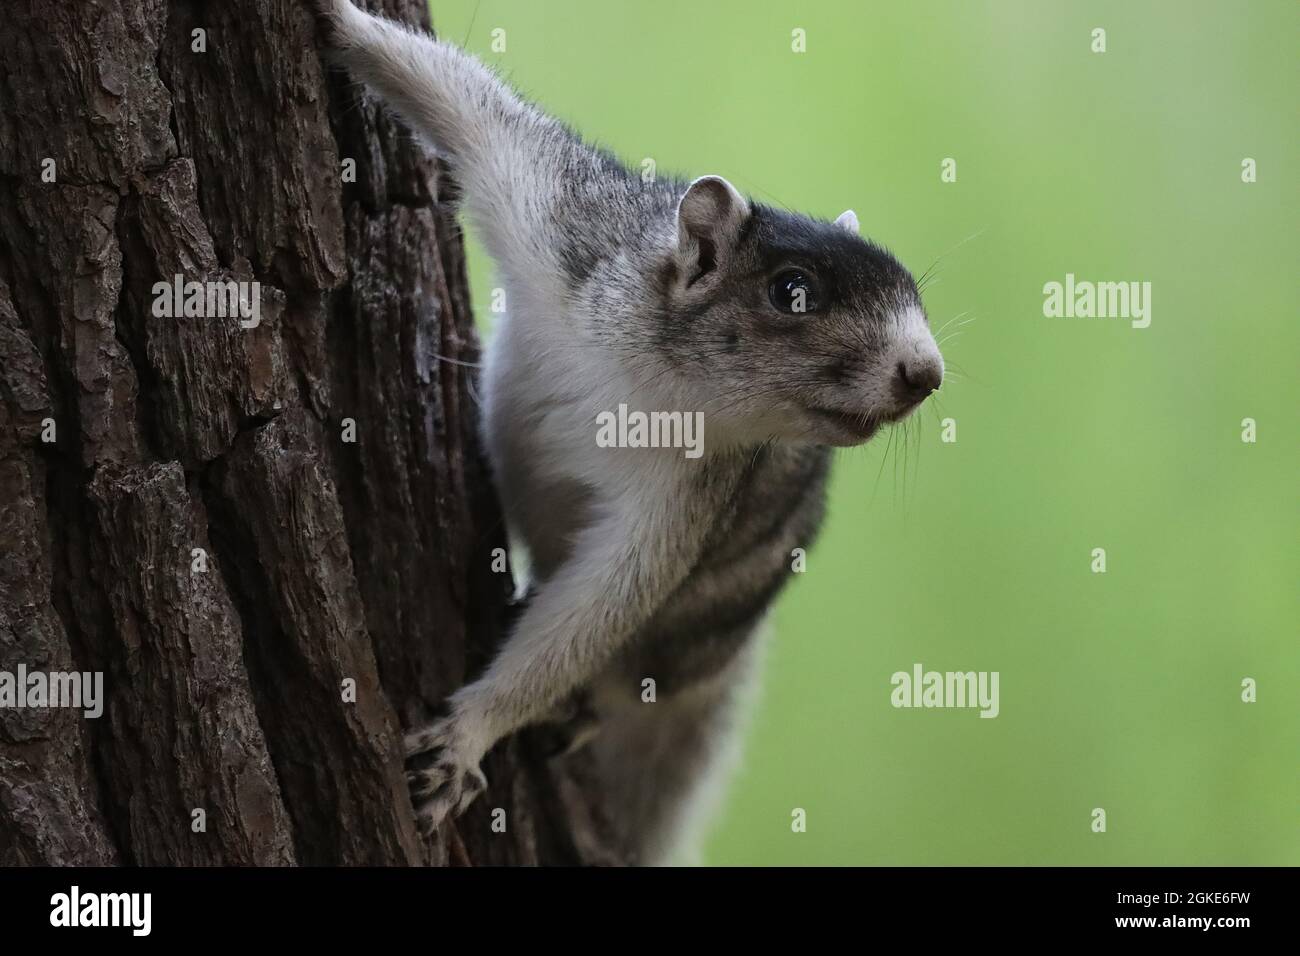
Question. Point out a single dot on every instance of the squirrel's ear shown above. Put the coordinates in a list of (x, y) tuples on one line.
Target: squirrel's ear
[(709, 218), (848, 220)]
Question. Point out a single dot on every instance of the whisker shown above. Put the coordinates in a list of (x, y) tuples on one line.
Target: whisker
[(881, 471), (452, 361), (959, 315)]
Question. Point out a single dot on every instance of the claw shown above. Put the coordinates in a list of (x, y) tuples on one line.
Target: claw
[(418, 742), (442, 778)]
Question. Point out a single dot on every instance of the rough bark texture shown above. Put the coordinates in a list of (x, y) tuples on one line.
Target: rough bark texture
[(326, 559)]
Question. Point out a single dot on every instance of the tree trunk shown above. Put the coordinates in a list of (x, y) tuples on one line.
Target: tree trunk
[(181, 507)]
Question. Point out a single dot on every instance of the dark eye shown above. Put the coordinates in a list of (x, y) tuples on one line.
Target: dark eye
[(793, 292)]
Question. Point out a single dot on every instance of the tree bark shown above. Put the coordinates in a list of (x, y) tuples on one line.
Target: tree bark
[(180, 441)]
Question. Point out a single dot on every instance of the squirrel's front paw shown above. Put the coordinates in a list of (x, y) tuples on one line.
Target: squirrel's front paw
[(443, 775)]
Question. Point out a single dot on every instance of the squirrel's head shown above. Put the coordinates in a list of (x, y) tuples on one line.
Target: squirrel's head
[(788, 326)]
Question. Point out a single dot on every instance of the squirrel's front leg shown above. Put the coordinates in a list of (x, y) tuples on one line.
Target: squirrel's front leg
[(621, 569)]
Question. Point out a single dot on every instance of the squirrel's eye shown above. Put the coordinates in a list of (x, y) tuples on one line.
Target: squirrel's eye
[(793, 292)]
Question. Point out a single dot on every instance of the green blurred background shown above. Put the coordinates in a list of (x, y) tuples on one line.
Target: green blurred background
[(1119, 690)]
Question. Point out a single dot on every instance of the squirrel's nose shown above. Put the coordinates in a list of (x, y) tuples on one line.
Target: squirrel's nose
[(918, 376)]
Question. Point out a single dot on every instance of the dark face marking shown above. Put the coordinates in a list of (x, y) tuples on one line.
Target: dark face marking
[(840, 370), (738, 328)]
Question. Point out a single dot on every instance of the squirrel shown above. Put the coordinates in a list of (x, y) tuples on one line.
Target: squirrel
[(788, 334)]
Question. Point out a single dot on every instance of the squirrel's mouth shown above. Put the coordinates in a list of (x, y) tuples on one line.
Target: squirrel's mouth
[(860, 424)]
